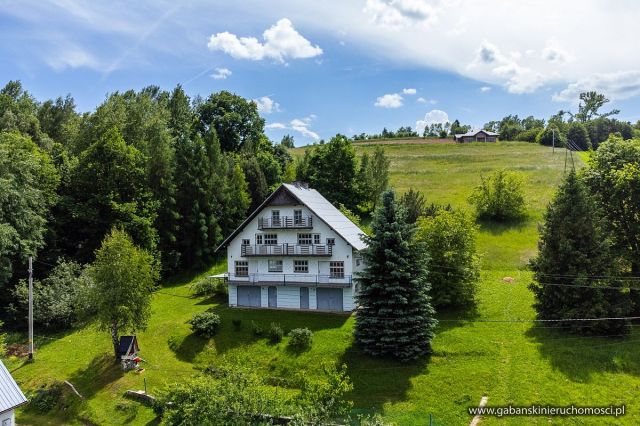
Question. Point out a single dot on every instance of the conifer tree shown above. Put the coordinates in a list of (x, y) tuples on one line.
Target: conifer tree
[(395, 316), (573, 264)]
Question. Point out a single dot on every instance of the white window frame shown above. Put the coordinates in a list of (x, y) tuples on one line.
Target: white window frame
[(301, 266), (275, 265), (297, 217), (336, 269), (331, 241), (258, 239), (242, 264), (246, 242), (271, 239), (305, 239), (316, 239)]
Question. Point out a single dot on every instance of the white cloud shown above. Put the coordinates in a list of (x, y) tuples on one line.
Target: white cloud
[(390, 100), (72, 57), (281, 41), (266, 105), (221, 73), (409, 91), (398, 13), (423, 100), (432, 117), (618, 85), (300, 125), (485, 89)]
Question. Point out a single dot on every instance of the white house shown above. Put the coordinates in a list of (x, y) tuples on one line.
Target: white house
[(295, 251), (11, 397)]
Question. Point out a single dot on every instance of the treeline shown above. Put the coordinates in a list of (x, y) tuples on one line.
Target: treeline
[(435, 130), (176, 174), (585, 129)]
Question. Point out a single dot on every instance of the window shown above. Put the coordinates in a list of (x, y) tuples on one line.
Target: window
[(246, 242), (275, 217), (304, 239), (358, 261), (316, 238), (331, 241), (271, 239), (258, 238), (336, 269), (297, 217), (242, 268), (301, 266), (275, 266)]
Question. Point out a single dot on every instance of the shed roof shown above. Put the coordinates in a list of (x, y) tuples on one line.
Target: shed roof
[(10, 394), (125, 344), (318, 205), (475, 132)]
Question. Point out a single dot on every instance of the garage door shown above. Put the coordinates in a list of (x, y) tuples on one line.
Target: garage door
[(248, 296), (329, 299)]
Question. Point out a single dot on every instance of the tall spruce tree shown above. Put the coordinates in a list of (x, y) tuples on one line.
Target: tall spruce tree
[(572, 265), (395, 317)]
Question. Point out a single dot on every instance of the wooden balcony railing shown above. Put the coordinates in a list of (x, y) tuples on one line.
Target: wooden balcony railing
[(286, 250), (285, 222)]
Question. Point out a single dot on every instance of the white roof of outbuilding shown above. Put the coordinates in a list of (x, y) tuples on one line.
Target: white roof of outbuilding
[(318, 205), (10, 394), (475, 132)]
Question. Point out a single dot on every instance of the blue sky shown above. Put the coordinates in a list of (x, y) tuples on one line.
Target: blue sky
[(320, 68)]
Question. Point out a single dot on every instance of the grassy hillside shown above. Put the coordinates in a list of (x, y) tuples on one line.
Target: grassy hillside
[(517, 363)]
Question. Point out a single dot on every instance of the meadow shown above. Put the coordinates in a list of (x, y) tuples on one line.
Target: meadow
[(515, 363)]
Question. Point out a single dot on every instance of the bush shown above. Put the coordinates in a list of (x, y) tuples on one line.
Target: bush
[(205, 324), (300, 338), (275, 333), (453, 268), (528, 135), (500, 197), (546, 137), (578, 134), (56, 299), (45, 399), (237, 323), (257, 329)]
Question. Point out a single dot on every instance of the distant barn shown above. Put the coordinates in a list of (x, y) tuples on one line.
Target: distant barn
[(477, 136)]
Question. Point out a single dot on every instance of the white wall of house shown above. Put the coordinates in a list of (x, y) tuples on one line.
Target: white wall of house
[(7, 418), (289, 296)]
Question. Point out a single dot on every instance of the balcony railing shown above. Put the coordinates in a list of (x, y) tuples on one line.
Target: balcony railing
[(285, 222), (291, 279), (286, 250)]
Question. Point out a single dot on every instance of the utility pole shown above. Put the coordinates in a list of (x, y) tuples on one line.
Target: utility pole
[(30, 308)]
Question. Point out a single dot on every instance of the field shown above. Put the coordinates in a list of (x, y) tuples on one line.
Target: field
[(516, 363)]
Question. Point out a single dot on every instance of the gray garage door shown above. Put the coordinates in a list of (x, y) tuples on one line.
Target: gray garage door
[(329, 299), (304, 297), (273, 297), (248, 296)]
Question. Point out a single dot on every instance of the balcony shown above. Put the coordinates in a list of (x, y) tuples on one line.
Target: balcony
[(286, 250), (285, 222), (291, 279)]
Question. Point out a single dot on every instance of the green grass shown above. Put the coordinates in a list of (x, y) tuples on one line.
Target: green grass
[(517, 363)]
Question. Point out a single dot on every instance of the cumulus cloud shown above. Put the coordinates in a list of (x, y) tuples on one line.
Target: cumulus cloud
[(409, 91), (398, 13), (300, 125), (266, 105), (281, 42), (221, 73), (434, 116), (390, 100), (619, 85), (423, 100)]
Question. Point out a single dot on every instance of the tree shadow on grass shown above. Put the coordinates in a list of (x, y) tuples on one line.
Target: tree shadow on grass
[(101, 371), (579, 358), (187, 347), (451, 318), (498, 228), (377, 381)]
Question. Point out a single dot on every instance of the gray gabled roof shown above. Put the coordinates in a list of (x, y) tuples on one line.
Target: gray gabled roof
[(319, 206), (10, 394), (475, 132)]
